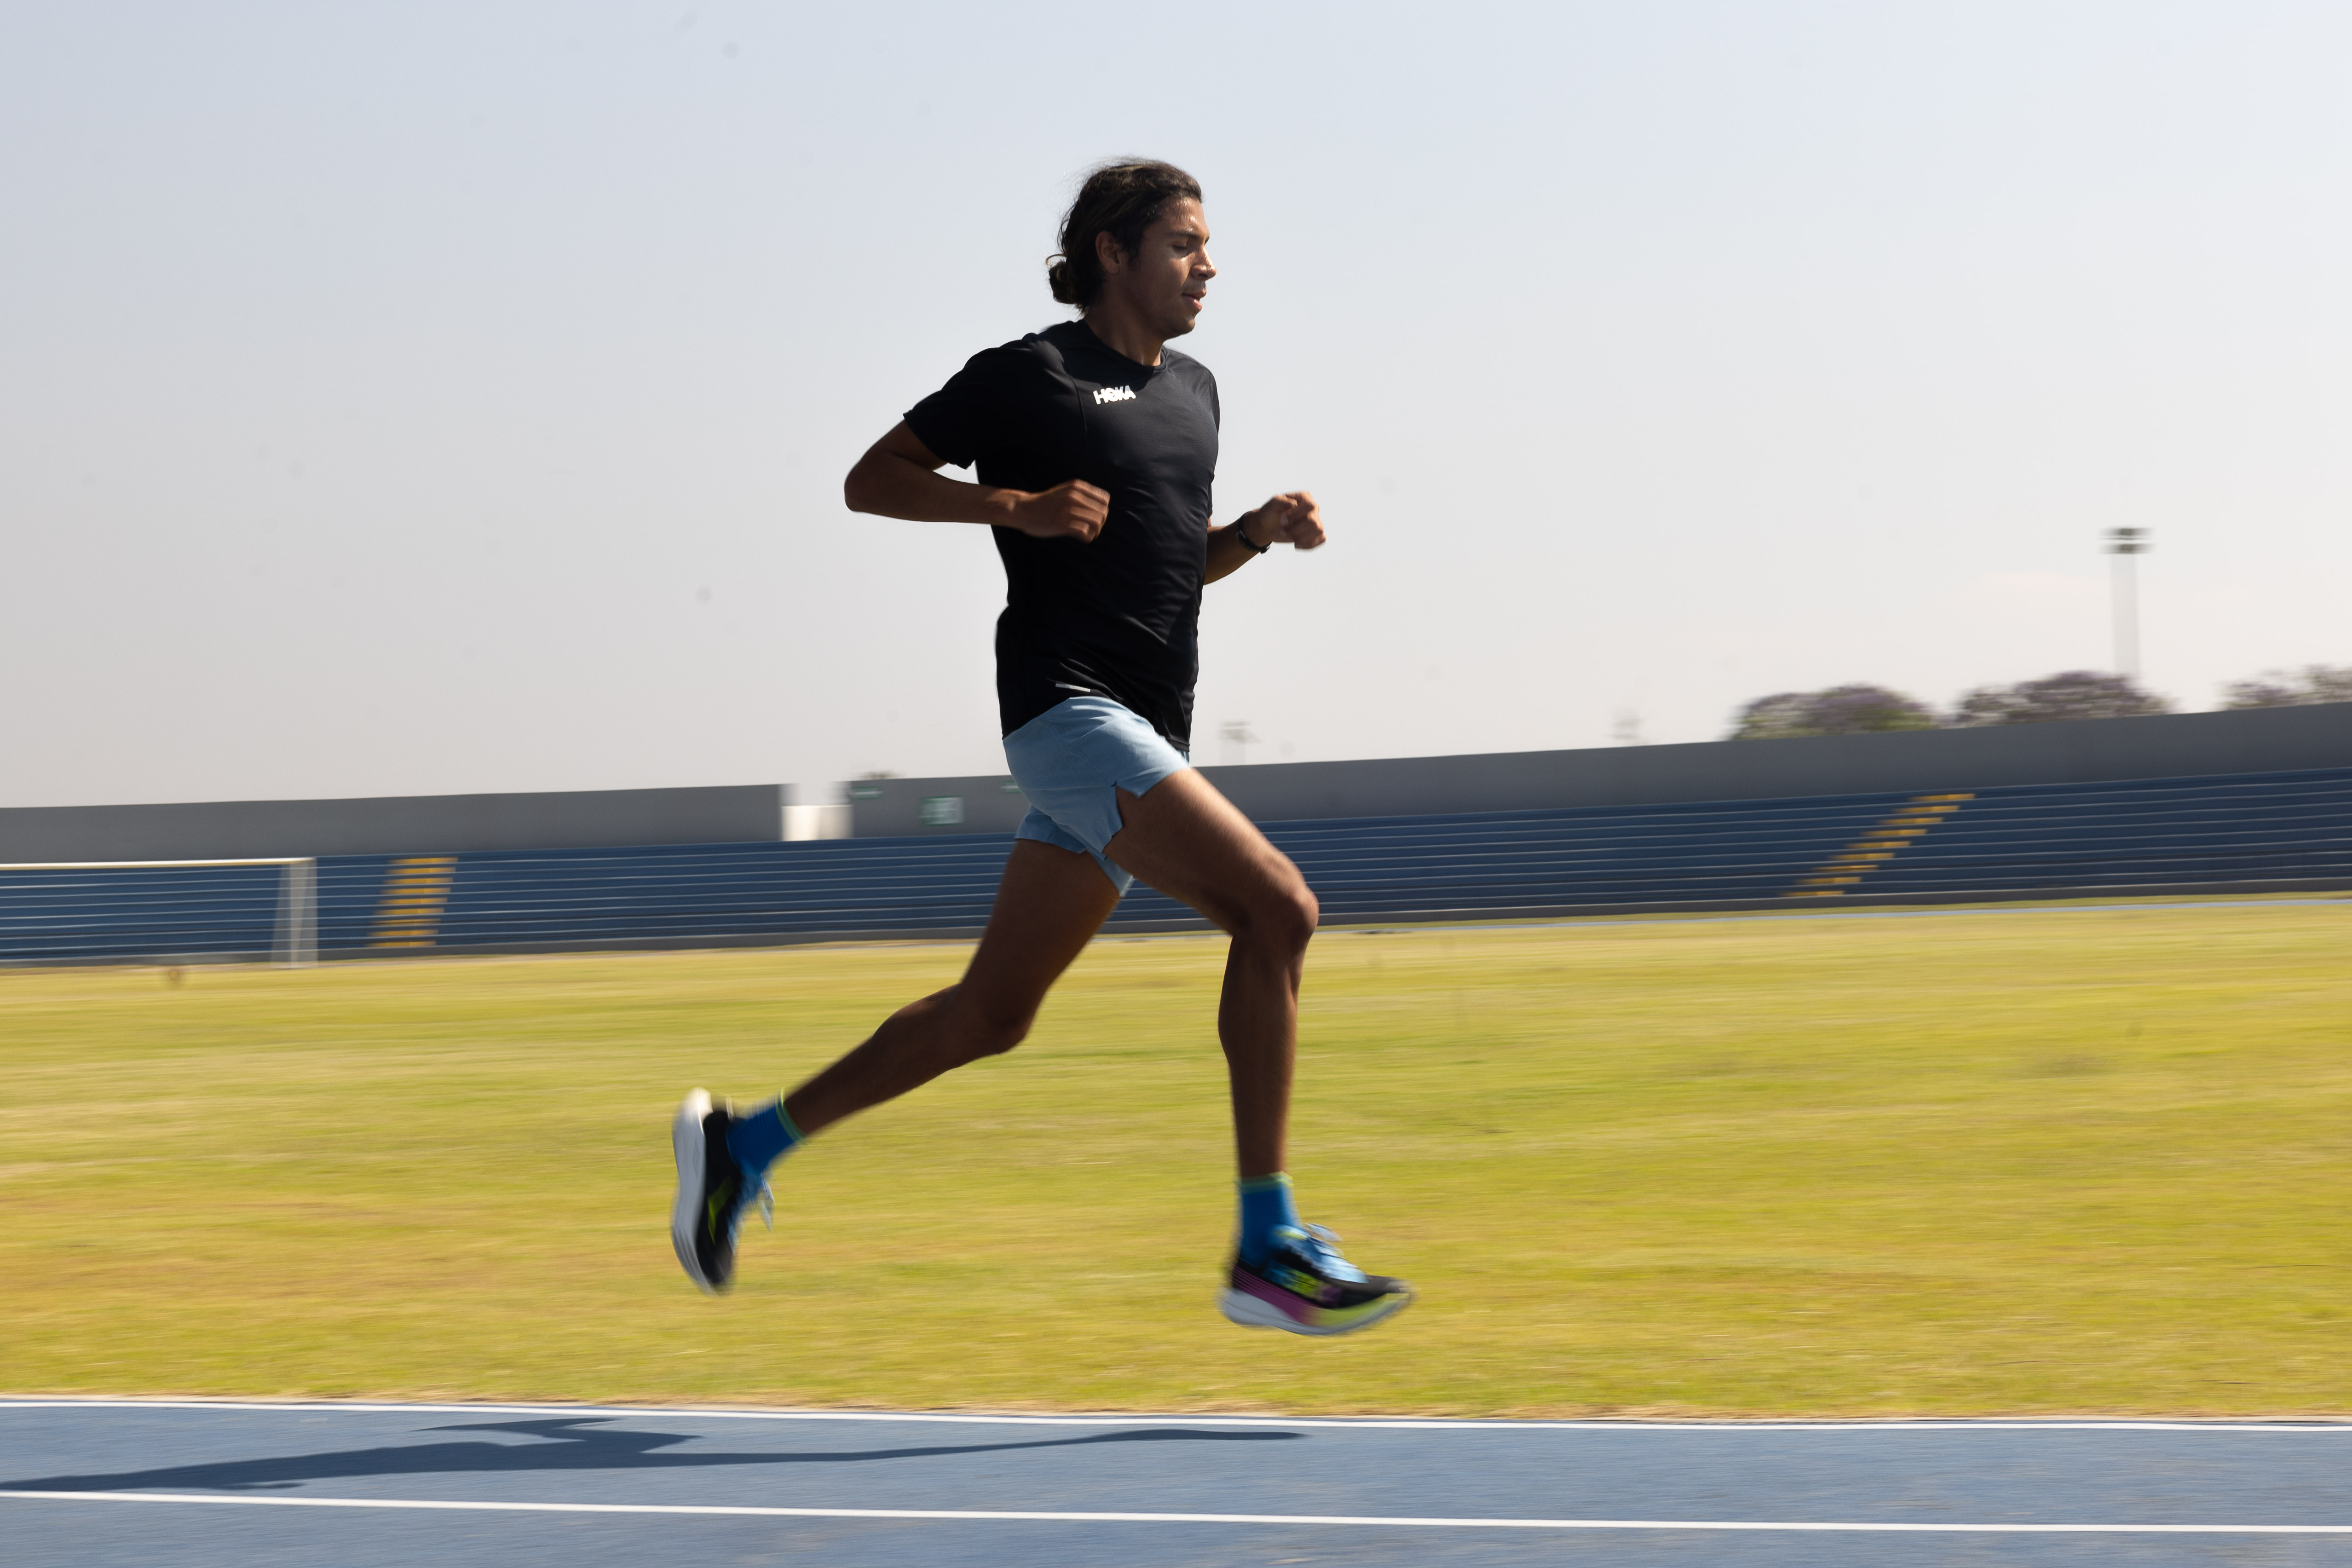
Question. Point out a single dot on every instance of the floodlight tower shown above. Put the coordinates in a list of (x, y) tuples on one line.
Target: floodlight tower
[(2122, 544)]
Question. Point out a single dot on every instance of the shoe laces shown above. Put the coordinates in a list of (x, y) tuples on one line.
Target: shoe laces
[(758, 1194), (757, 1190), (1320, 1246)]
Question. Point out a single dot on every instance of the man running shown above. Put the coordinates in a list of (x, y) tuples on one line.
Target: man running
[(1096, 447)]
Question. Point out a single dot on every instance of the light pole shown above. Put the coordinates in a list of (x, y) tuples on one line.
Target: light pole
[(2122, 544)]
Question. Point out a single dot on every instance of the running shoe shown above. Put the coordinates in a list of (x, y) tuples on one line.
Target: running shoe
[(1305, 1287), (713, 1190)]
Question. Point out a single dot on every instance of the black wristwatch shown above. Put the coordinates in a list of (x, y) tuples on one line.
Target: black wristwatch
[(1241, 531)]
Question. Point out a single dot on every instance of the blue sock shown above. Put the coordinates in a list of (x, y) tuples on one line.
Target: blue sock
[(759, 1139), (1266, 1207)]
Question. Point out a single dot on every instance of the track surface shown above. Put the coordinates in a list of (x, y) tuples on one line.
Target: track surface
[(196, 1486)]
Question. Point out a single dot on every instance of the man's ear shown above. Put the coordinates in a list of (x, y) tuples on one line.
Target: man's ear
[(1109, 252)]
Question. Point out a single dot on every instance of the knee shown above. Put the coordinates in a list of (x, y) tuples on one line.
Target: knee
[(1306, 914), (967, 1027), (1284, 918), (994, 1035)]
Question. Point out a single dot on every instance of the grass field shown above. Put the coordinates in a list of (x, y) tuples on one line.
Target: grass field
[(2057, 1160)]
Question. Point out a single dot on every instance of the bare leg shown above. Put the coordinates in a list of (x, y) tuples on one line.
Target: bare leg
[(1048, 907), (1194, 844)]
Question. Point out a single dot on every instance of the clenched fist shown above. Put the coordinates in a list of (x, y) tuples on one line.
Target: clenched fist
[(1291, 518), (1074, 510)]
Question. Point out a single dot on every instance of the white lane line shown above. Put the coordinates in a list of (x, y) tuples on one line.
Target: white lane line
[(1380, 1522), (2324, 1424)]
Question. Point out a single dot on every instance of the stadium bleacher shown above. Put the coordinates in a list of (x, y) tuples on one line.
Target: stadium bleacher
[(2272, 831)]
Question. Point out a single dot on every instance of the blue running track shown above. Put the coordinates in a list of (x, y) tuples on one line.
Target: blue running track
[(221, 1485)]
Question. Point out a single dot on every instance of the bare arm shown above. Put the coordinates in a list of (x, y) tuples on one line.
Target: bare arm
[(899, 477), (1290, 519)]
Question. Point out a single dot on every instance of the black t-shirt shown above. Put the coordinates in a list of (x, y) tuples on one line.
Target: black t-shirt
[(1118, 617)]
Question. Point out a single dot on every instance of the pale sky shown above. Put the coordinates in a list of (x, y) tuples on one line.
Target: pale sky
[(425, 397)]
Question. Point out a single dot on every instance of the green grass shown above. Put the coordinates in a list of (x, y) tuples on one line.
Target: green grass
[(2061, 1160)]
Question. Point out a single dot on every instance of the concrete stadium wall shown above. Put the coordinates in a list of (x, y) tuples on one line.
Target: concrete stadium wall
[(2254, 741), (2258, 740), (894, 808), (393, 825)]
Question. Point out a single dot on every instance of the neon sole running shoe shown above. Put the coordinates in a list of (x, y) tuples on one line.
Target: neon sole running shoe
[(712, 1194), (1305, 1287)]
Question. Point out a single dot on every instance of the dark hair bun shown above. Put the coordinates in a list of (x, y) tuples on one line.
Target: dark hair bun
[(1058, 278)]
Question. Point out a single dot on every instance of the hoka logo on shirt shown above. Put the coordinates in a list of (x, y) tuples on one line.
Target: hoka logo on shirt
[(1113, 394)]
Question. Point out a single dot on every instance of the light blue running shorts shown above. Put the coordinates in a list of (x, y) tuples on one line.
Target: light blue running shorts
[(1072, 761)]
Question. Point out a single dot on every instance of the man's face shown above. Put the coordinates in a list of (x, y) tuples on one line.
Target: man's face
[(1166, 282)]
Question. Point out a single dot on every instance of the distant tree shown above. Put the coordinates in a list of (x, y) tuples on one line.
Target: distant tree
[(1838, 710), (2291, 688), (1774, 718), (1866, 709), (2071, 694)]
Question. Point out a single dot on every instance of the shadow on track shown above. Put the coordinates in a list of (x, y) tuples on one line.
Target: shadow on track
[(574, 1443)]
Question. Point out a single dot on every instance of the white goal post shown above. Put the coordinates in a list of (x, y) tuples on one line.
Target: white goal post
[(296, 941)]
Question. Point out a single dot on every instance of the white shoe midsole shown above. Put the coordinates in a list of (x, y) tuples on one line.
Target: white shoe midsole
[(1241, 1307), (686, 1141)]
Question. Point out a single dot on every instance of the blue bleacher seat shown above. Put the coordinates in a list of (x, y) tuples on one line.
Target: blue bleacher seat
[(2222, 832)]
